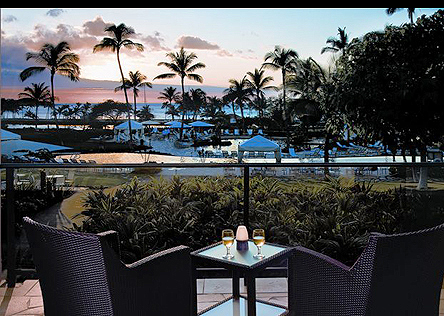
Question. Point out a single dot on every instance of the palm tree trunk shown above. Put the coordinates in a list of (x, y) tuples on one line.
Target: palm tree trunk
[(285, 116), (53, 107), (183, 109), (36, 113), (126, 97), (135, 106)]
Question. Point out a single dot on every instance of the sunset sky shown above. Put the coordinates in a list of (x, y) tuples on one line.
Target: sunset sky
[(230, 42)]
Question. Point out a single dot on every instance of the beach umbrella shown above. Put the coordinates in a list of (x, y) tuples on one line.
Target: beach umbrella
[(150, 122), (20, 147), (201, 124), (7, 135), (259, 143), (176, 124)]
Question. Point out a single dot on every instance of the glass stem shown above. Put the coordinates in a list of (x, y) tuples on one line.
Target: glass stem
[(259, 251)]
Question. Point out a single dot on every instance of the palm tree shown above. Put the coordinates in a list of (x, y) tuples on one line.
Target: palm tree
[(135, 81), (169, 95), (38, 94), (410, 12), (213, 107), (57, 59), (240, 93), (337, 44), (181, 65), (258, 82), (118, 40), (286, 60)]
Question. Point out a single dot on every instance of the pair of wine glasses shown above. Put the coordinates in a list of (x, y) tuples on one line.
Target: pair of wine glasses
[(258, 239)]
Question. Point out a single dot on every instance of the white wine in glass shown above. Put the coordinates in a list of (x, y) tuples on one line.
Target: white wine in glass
[(228, 240), (259, 241)]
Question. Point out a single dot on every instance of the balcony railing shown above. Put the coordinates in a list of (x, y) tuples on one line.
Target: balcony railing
[(246, 170)]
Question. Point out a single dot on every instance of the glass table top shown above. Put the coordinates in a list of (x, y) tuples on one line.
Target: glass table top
[(244, 258), (238, 307)]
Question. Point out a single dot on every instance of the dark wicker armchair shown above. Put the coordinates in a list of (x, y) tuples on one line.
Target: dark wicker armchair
[(397, 274), (81, 274)]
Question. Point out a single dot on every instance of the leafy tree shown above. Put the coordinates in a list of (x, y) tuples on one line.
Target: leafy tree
[(391, 85), (181, 64), (109, 109), (169, 95), (120, 38), (57, 59), (38, 94), (135, 81)]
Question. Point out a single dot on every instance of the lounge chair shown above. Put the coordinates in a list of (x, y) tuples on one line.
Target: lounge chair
[(396, 275), (236, 132), (81, 274)]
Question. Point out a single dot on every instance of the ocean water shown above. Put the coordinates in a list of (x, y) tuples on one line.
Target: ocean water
[(156, 109)]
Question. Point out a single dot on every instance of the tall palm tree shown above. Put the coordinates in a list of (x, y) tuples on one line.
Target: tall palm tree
[(169, 95), (240, 93), (135, 81), (181, 64), (258, 82), (38, 94), (120, 38), (286, 60), (410, 12), (57, 59), (337, 44)]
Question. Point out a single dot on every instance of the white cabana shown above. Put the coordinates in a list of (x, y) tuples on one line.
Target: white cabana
[(261, 144), (7, 135), (201, 124), (177, 124), (18, 147), (121, 131), (125, 126)]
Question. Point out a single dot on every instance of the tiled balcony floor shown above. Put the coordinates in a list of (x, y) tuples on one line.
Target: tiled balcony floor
[(26, 297)]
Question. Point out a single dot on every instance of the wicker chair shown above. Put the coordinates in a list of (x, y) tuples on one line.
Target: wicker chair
[(81, 274), (395, 275)]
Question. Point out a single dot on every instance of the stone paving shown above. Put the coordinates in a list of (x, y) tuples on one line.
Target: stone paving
[(26, 297)]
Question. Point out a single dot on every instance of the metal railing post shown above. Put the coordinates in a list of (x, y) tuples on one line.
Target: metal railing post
[(10, 227), (246, 196)]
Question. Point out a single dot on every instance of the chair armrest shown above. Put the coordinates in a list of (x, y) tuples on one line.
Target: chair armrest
[(159, 284), (320, 285), (111, 237)]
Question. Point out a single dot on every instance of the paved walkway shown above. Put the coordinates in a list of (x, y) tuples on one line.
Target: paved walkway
[(26, 297)]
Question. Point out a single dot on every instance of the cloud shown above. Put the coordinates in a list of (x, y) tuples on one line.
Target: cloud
[(194, 42), (95, 27), (55, 12), (9, 18), (154, 43)]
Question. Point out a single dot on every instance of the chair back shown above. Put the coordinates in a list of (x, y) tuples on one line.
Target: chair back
[(71, 271), (407, 273)]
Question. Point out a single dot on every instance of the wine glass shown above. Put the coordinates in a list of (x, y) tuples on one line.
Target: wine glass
[(228, 239), (259, 241)]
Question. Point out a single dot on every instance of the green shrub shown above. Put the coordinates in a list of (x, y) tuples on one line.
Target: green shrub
[(334, 217)]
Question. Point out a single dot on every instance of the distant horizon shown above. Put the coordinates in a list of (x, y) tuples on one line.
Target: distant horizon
[(230, 42)]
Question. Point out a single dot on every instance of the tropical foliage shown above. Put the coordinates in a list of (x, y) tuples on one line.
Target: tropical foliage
[(334, 216)]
